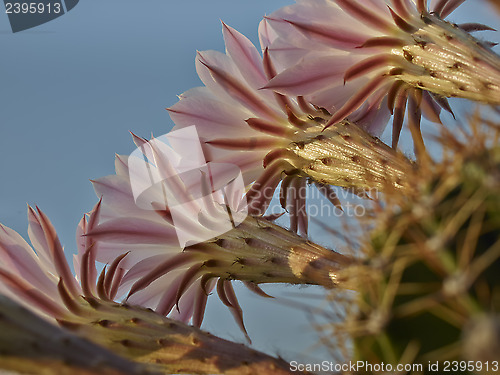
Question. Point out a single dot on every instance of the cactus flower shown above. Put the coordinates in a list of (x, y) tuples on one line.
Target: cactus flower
[(176, 279), (277, 138), (397, 50), (41, 280)]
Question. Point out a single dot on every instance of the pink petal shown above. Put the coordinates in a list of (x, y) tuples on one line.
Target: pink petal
[(329, 26), (175, 262), (57, 253), (18, 258), (109, 251), (117, 198), (121, 165), (266, 34), (37, 238), (311, 75), (331, 35), (211, 116), (29, 296), (213, 69), (357, 100), (245, 56), (134, 231), (366, 15)]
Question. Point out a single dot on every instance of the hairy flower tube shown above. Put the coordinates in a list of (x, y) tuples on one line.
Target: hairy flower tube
[(41, 280), (275, 138), (393, 50), (223, 243)]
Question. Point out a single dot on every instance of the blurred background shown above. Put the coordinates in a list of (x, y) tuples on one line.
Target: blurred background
[(73, 88)]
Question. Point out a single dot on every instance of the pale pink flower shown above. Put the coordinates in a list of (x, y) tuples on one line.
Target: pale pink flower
[(40, 276), (176, 280), (340, 53), (263, 132)]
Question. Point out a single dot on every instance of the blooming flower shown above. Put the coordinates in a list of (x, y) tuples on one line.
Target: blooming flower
[(40, 279), (276, 138), (21, 268), (395, 50), (40, 276), (174, 279)]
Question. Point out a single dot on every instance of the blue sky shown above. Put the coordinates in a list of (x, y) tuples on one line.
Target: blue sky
[(72, 89)]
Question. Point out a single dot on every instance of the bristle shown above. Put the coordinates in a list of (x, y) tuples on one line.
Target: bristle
[(439, 247)]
